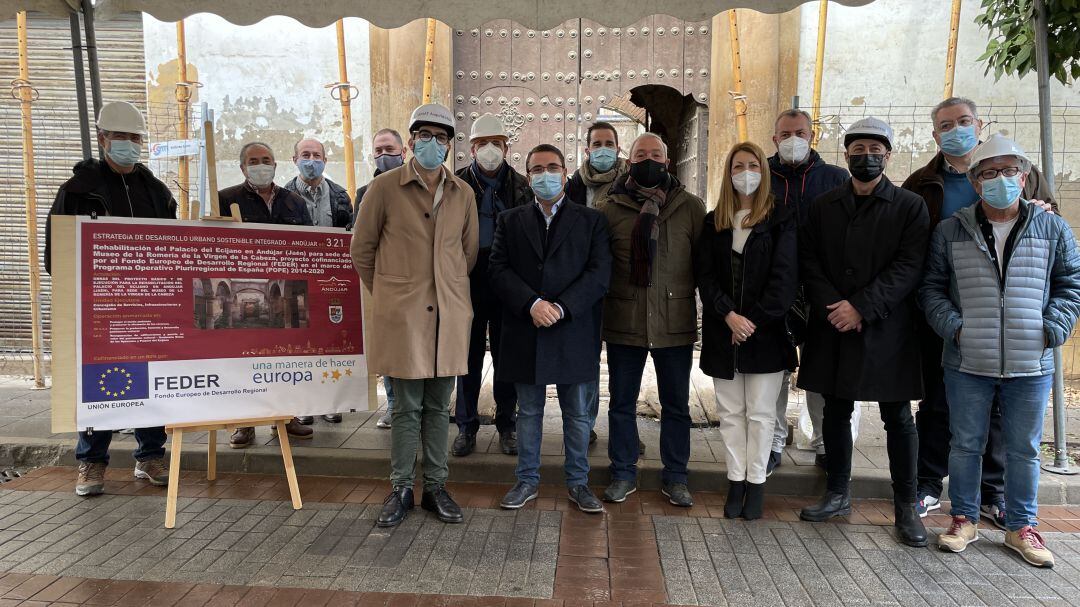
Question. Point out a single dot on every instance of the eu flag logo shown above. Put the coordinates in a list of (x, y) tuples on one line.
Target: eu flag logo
[(115, 381)]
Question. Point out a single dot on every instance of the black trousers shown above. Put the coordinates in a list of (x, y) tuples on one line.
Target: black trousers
[(902, 444), (487, 320), (932, 422)]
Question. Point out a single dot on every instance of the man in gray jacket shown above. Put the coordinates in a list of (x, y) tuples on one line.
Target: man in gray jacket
[(1002, 289)]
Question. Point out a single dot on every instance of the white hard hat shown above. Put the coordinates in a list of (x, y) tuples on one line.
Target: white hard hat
[(997, 145), (870, 128), (487, 125), (121, 117), (434, 114)]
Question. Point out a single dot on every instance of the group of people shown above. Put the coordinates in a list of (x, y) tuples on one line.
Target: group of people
[(952, 290)]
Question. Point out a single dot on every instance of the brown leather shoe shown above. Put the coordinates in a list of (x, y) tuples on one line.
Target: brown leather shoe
[(242, 438), (295, 430)]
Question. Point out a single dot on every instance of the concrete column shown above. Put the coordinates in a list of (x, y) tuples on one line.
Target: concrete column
[(397, 73)]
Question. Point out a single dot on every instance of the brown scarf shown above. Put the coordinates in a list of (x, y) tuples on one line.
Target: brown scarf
[(646, 230)]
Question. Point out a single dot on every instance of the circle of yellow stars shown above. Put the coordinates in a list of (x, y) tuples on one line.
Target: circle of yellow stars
[(335, 375), (121, 391)]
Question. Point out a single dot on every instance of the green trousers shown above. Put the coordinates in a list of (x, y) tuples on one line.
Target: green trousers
[(421, 417)]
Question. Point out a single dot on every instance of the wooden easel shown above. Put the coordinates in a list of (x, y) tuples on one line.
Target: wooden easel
[(178, 430)]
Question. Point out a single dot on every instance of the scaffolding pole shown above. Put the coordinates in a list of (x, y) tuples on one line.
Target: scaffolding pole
[(950, 58), (80, 84), (345, 95), (92, 60), (26, 96), (819, 68), (429, 60), (1061, 463), (736, 74), (183, 97)]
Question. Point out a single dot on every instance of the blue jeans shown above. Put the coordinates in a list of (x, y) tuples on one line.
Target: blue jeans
[(388, 385), (93, 447), (1023, 405), (625, 366), (574, 400)]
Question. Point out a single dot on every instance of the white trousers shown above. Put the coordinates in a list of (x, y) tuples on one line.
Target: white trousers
[(747, 409)]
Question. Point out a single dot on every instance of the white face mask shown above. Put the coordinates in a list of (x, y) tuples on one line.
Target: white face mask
[(260, 175), (489, 157), (793, 150), (746, 182)]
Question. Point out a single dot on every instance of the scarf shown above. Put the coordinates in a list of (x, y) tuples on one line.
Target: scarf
[(646, 230), (600, 183), (490, 204)]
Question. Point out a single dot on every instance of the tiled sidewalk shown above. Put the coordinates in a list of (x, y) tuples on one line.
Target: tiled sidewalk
[(238, 543)]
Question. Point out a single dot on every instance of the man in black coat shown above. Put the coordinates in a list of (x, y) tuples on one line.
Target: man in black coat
[(498, 187), (550, 266), (861, 257), (262, 201), (118, 185)]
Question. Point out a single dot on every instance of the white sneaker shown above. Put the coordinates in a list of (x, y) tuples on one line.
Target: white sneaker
[(384, 421), (926, 504)]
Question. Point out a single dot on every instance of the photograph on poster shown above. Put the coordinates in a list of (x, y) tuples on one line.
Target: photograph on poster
[(250, 303)]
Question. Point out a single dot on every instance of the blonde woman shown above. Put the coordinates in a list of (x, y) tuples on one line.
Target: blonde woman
[(747, 273)]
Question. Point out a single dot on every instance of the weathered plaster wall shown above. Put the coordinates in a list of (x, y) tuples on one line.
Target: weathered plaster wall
[(266, 82)]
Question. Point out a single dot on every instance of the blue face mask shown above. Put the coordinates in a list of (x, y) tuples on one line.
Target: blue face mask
[(1001, 192), (310, 169), (959, 141), (603, 159), (429, 153), (547, 186), (123, 152)]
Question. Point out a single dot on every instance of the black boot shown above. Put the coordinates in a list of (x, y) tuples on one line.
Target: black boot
[(832, 504), (755, 501), (736, 493), (444, 507), (396, 507), (909, 527)]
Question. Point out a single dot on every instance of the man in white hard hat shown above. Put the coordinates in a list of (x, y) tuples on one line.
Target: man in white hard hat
[(944, 185), (1002, 289), (498, 187), (861, 254), (118, 185), (799, 175), (414, 243)]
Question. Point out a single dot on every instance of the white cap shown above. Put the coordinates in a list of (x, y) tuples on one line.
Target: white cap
[(121, 117), (434, 114), (487, 125), (870, 128), (997, 145)]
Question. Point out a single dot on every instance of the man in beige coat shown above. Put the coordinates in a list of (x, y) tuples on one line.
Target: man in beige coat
[(414, 243)]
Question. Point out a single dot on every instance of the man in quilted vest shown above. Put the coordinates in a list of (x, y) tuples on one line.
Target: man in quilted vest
[(1002, 289)]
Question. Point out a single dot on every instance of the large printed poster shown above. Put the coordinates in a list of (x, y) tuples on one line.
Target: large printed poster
[(186, 321)]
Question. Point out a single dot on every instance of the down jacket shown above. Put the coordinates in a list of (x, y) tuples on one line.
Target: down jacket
[(1009, 322)]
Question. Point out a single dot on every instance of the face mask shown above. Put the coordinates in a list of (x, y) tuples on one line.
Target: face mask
[(746, 182), (310, 169), (261, 175), (429, 153), (489, 157), (1001, 192), (546, 185), (603, 159), (959, 141), (386, 162), (123, 152), (793, 150), (866, 167), (648, 173)]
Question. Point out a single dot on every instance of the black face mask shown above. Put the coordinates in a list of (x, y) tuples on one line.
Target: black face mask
[(648, 173), (866, 167)]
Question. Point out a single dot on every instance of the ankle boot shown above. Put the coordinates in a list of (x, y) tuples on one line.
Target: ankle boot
[(755, 501), (909, 527), (831, 504), (733, 507)]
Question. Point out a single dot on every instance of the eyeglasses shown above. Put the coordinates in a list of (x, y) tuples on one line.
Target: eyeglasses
[(949, 125), (428, 136), (132, 137), (540, 170), (987, 174)]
